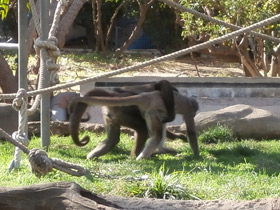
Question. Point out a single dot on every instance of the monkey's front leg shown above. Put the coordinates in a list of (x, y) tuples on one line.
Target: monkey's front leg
[(155, 128), (161, 149), (191, 133), (113, 138)]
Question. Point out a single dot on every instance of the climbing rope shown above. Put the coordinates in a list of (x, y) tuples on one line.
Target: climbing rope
[(20, 104), (182, 8), (41, 164), (50, 57)]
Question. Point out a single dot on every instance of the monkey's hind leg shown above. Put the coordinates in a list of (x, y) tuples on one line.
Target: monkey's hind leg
[(141, 136), (113, 138), (155, 128), (161, 149)]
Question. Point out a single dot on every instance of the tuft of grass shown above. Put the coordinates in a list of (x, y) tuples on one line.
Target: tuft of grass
[(216, 134), (166, 185)]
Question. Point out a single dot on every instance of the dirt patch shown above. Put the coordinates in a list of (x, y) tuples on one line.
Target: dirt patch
[(197, 67), (145, 204)]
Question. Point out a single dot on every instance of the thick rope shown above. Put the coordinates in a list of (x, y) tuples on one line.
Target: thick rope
[(51, 47), (41, 164), (35, 17), (20, 104), (182, 8), (153, 61)]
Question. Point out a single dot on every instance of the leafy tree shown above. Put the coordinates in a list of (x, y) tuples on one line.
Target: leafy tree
[(241, 13)]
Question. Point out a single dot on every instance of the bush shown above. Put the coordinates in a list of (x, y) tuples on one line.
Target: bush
[(166, 186), (216, 134)]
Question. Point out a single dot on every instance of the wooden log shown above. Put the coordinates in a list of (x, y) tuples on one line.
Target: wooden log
[(58, 195)]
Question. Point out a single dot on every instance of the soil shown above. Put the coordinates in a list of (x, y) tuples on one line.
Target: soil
[(156, 204), (195, 67)]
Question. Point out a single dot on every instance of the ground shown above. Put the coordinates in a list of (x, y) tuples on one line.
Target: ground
[(155, 204), (206, 67), (185, 66), (73, 69)]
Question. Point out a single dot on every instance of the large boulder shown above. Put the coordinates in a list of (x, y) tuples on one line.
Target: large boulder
[(245, 121)]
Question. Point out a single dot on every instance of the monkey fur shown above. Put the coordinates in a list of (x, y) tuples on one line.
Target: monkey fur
[(132, 116)]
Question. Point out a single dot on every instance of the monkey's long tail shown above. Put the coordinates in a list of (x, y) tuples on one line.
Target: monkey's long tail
[(76, 114)]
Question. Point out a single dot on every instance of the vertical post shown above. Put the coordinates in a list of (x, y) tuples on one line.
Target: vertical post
[(45, 102), (22, 49)]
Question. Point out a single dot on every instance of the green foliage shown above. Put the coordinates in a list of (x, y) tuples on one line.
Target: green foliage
[(237, 12), (4, 8), (166, 186), (219, 133), (160, 26)]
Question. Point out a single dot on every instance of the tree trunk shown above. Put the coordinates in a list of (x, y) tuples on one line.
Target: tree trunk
[(97, 39), (275, 62), (112, 22), (67, 20), (99, 29), (142, 16), (261, 57), (249, 66), (102, 43), (8, 82)]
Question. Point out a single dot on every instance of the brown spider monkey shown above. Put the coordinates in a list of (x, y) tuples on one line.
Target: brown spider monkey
[(152, 108), (185, 106), (146, 120)]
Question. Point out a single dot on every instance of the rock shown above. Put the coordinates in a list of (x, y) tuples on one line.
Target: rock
[(62, 128), (9, 118), (246, 121)]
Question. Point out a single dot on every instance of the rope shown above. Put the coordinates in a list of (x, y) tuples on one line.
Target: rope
[(153, 61), (41, 164), (182, 8), (35, 17), (20, 104)]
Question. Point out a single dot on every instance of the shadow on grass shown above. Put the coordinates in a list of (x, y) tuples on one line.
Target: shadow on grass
[(217, 159), (263, 161)]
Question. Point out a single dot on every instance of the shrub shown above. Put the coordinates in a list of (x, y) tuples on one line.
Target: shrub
[(219, 133), (165, 186)]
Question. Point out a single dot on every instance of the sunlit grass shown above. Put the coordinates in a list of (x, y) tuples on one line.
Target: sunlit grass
[(244, 169)]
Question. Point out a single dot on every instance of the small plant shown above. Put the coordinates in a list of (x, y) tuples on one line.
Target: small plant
[(216, 134), (165, 186)]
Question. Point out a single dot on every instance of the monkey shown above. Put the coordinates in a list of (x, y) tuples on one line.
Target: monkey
[(129, 116), (153, 109), (185, 106)]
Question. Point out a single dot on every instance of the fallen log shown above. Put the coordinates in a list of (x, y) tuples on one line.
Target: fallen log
[(68, 195), (59, 195)]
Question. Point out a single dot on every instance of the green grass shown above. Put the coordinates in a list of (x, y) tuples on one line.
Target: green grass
[(244, 169)]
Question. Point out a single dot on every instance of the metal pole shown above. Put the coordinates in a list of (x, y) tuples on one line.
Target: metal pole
[(12, 46), (22, 50), (22, 40), (45, 102)]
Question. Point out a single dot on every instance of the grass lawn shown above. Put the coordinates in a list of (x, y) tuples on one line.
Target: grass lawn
[(240, 170)]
